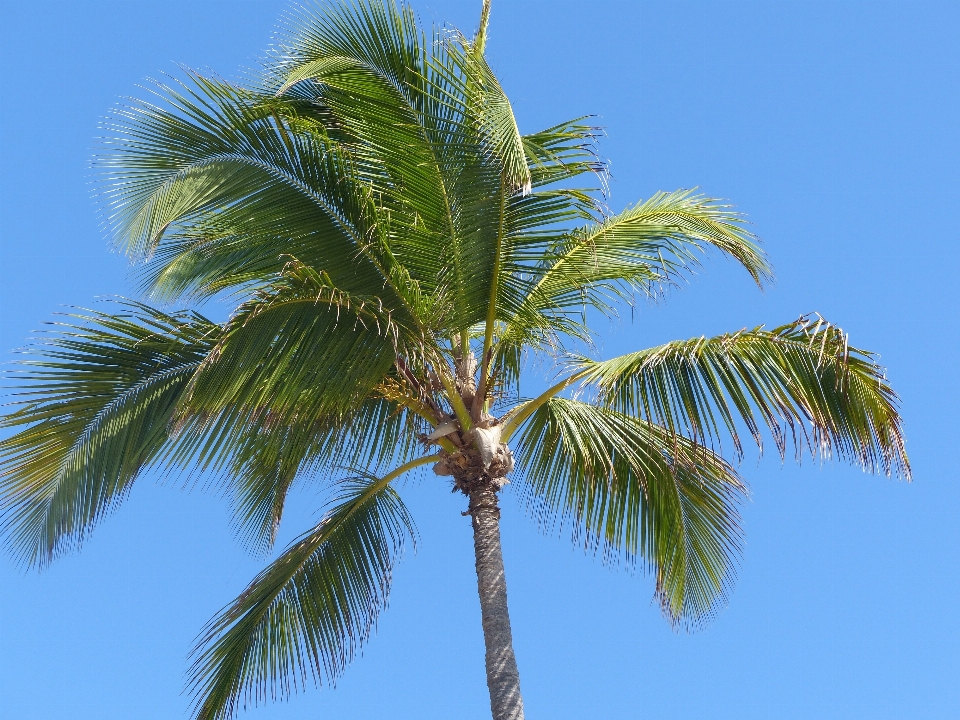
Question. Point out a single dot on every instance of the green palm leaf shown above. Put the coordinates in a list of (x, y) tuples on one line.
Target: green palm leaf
[(563, 152), (489, 110), (213, 188), (106, 397), (640, 250), (306, 615), (654, 243), (96, 406), (802, 381), (633, 489), (372, 67)]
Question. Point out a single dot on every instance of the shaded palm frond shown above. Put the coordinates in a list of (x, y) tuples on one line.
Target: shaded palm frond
[(373, 67), (300, 350), (265, 459), (105, 395)]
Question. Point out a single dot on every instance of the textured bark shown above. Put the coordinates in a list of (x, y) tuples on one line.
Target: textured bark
[(503, 678)]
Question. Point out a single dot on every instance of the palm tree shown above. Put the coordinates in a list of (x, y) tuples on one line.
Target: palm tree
[(397, 250)]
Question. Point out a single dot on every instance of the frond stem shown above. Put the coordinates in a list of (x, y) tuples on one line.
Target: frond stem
[(478, 400), (398, 471), (481, 38), (517, 417), (456, 402)]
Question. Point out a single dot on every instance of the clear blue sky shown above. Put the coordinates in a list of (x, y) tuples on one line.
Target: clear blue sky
[(834, 125)]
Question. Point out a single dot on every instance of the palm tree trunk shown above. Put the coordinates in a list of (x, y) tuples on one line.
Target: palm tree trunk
[(503, 678)]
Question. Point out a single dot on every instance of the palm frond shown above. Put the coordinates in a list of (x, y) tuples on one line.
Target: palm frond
[(373, 67), (563, 152), (299, 349), (634, 490), (432, 119), (106, 395), (96, 401), (640, 250), (212, 186), (489, 109), (306, 615), (261, 461), (804, 381), (653, 243)]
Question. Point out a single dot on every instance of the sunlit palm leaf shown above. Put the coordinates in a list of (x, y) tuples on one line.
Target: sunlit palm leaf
[(489, 110), (372, 66), (801, 380), (306, 615), (654, 243), (633, 489), (437, 125), (563, 152), (212, 188), (97, 402), (640, 250)]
